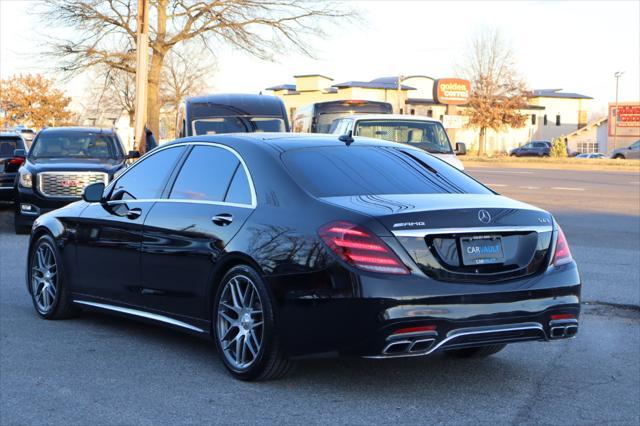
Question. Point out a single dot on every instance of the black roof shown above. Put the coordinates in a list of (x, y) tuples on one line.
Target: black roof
[(236, 104), (77, 129), (283, 141), (557, 93)]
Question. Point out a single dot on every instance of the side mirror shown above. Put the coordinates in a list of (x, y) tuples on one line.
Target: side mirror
[(20, 153), (133, 154), (461, 148), (93, 193)]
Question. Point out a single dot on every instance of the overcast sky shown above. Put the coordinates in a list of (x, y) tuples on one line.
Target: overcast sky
[(576, 46)]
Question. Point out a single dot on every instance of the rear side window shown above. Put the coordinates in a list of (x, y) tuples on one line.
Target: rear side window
[(375, 170), (8, 145), (206, 175), (147, 178)]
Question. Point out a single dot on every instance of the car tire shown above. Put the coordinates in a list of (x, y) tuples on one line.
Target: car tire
[(243, 323), (47, 282), (618, 157), (479, 352)]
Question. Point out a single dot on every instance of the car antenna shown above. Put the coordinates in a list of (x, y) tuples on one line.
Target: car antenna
[(347, 138)]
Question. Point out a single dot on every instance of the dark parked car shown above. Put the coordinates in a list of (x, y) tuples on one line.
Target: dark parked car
[(231, 113), (532, 149), (630, 152), (9, 163), (286, 245), (60, 163)]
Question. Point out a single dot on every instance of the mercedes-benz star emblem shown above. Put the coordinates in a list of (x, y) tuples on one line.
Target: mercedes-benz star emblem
[(484, 216)]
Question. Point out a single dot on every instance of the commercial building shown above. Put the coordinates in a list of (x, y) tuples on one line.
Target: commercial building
[(551, 112), (619, 130)]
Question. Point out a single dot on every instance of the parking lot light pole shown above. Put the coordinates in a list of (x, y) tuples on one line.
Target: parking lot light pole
[(617, 75)]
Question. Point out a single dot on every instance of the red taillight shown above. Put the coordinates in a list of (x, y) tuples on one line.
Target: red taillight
[(360, 248), (562, 254), (17, 161), (562, 317), (415, 329)]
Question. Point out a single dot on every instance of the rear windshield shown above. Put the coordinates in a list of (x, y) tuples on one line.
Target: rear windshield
[(213, 126), (9, 144), (427, 135), (75, 144), (375, 170)]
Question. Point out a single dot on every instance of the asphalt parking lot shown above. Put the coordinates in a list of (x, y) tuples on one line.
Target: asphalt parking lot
[(102, 370)]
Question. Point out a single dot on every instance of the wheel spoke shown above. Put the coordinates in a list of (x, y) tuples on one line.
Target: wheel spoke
[(51, 292), (231, 321), (238, 351), (249, 344), (228, 306), (234, 296)]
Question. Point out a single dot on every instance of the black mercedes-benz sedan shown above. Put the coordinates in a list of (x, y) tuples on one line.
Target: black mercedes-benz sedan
[(281, 246)]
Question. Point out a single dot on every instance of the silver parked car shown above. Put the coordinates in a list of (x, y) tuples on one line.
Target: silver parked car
[(632, 151)]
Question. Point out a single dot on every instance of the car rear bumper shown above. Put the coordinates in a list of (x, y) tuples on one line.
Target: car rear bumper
[(372, 326)]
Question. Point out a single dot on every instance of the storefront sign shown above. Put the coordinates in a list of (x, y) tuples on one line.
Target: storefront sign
[(452, 91), (625, 121)]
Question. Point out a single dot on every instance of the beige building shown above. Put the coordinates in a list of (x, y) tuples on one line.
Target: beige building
[(619, 130), (551, 113)]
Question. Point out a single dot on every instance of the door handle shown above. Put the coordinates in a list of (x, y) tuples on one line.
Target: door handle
[(134, 213), (223, 219)]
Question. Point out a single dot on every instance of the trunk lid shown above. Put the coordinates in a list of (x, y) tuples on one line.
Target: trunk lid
[(451, 236)]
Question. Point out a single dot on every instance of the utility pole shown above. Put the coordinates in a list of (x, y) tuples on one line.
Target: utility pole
[(399, 92), (142, 65), (617, 75)]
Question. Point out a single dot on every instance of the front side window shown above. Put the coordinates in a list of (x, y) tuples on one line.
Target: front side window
[(209, 174), (217, 125), (347, 171), (76, 144), (146, 178), (427, 135)]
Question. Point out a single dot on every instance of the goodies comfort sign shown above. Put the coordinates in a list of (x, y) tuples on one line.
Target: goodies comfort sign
[(451, 91)]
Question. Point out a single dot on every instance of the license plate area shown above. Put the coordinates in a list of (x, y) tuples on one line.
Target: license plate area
[(481, 250)]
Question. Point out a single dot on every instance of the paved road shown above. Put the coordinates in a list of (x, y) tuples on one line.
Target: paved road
[(102, 370), (600, 215)]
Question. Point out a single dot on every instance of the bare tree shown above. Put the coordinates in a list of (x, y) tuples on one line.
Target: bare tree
[(497, 92), (185, 73), (106, 31)]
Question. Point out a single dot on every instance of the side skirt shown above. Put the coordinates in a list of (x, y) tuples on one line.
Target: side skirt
[(142, 314)]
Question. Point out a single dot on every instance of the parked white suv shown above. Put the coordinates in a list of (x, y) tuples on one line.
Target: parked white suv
[(421, 132)]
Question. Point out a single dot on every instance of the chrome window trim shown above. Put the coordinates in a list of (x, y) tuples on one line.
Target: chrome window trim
[(254, 198), (177, 200), (66, 172), (141, 314), (421, 233)]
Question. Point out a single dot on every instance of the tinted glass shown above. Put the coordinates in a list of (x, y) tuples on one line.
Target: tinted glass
[(206, 175), (212, 126), (148, 176), (427, 135), (8, 145), (239, 191), (371, 170), (75, 144)]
